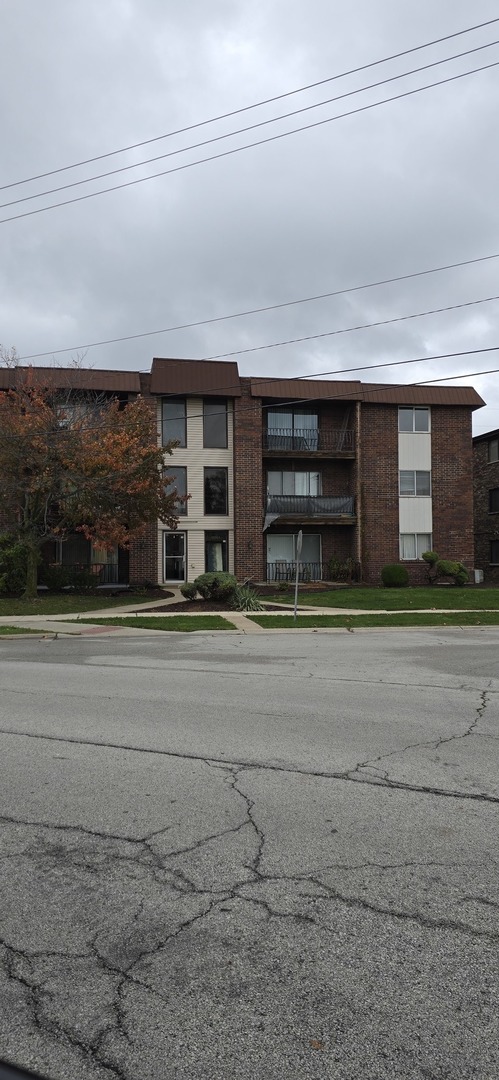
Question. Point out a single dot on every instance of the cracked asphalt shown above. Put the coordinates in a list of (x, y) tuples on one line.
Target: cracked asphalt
[(251, 857)]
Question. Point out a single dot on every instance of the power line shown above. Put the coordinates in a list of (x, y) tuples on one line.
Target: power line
[(338, 371), (255, 105), (350, 329), (261, 310), (249, 146), (249, 127)]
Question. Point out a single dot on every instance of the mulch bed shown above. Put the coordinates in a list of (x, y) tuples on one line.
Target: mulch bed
[(202, 607)]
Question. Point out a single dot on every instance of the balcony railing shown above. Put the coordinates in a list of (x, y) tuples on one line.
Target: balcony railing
[(286, 571), (310, 506), (285, 440)]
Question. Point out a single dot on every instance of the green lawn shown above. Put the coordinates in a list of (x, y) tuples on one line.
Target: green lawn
[(7, 631), (374, 599), (64, 603), (185, 623), (401, 618)]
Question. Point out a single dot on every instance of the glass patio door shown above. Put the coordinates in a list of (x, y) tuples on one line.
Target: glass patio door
[(174, 552)]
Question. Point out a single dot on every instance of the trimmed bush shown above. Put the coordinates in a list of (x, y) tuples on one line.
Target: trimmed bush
[(189, 590), (454, 570), (54, 576), (395, 576), (216, 585)]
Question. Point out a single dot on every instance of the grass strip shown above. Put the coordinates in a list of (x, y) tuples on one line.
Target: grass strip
[(9, 631), (184, 623), (401, 618), (415, 598), (67, 603)]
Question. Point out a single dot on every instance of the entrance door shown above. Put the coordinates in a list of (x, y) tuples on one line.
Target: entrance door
[(175, 550)]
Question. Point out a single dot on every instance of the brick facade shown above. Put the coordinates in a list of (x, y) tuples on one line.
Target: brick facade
[(452, 483), (486, 524), (248, 471), (379, 489)]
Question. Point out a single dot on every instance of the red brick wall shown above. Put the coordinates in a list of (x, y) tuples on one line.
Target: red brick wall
[(452, 483), (143, 566), (485, 477), (248, 502), (379, 489)]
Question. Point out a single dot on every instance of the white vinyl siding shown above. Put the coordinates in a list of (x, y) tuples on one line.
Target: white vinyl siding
[(195, 457)]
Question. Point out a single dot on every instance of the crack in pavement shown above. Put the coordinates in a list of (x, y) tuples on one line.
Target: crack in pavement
[(352, 775), (370, 763)]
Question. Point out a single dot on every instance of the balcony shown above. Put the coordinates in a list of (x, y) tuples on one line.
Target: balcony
[(330, 509), (337, 442)]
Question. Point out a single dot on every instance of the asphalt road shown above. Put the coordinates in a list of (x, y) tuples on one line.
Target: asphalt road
[(254, 857)]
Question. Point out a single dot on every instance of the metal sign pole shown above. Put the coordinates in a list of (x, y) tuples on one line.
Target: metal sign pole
[(299, 543)]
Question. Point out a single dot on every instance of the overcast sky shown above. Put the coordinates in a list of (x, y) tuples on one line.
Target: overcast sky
[(406, 186)]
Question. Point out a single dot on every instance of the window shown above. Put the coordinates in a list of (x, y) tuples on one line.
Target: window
[(216, 491), (174, 422), (179, 485), (493, 450), (292, 429), (494, 501), (216, 551), (412, 545), (414, 482), (494, 551), (215, 422), (417, 419), (175, 548), (294, 483)]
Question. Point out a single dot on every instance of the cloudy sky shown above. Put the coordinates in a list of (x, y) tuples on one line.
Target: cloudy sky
[(406, 186)]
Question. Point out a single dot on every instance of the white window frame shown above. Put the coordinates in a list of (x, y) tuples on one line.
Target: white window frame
[(415, 473), (414, 430), (419, 546), (294, 472)]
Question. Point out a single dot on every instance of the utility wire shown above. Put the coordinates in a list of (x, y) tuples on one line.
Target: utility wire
[(260, 310), (350, 329), (255, 105), (248, 146), (249, 127), (381, 388)]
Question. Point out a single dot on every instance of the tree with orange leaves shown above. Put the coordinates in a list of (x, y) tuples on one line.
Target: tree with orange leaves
[(73, 461)]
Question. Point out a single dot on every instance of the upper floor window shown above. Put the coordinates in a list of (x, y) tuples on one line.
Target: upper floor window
[(178, 485), (414, 419), (174, 425), (494, 500), (414, 482), (292, 429), (294, 483), (216, 493), (493, 448), (215, 422)]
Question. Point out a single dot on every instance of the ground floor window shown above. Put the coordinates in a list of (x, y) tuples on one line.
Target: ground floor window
[(216, 547), (175, 552), (412, 545), (281, 556), (494, 551)]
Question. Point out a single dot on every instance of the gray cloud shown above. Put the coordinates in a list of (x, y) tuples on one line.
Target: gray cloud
[(405, 186)]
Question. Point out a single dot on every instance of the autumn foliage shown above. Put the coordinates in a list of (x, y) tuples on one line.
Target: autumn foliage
[(73, 461)]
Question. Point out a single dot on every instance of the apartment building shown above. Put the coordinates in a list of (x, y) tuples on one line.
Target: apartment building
[(486, 503), (368, 473)]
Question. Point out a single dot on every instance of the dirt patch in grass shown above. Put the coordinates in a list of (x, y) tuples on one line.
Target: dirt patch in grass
[(204, 607)]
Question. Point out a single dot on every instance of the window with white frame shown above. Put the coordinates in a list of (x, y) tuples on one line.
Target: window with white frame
[(412, 545), (414, 482), (294, 483), (414, 419)]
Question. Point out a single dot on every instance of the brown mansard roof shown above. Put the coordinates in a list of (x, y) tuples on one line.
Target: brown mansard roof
[(219, 378), (384, 394), (127, 382)]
